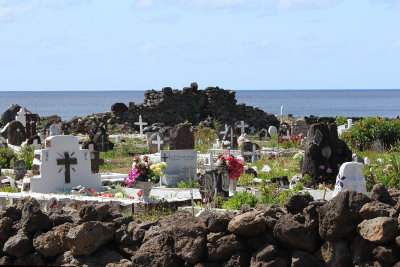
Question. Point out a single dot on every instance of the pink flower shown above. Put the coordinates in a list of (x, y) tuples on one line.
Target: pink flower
[(385, 170), (205, 200), (322, 167), (329, 170)]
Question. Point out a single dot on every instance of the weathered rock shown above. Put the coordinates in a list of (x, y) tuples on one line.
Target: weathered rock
[(223, 248), (6, 225), (388, 254), (119, 107), (335, 253), (217, 222), (34, 259), (53, 242), (6, 260), (340, 216), (58, 219), (298, 202), (247, 224), (13, 212), (240, 259), (378, 230), (376, 209), (361, 250), (122, 236), (10, 113), (18, 245), (99, 258), (33, 219), (301, 258), (16, 133), (94, 212), (181, 137), (158, 251), (269, 255), (88, 237), (380, 193)]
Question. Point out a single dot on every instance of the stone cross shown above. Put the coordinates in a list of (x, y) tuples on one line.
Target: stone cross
[(141, 124), (209, 118), (242, 126), (95, 161), (251, 153), (252, 130), (158, 142), (231, 137), (281, 114), (226, 129), (67, 162), (349, 123)]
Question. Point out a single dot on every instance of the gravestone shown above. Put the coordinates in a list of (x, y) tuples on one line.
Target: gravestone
[(21, 116), (230, 139), (34, 141), (299, 126), (55, 129), (61, 166), (214, 183), (272, 130), (141, 124), (19, 169), (158, 142), (221, 131), (241, 126), (263, 135), (165, 133), (95, 160), (281, 181), (119, 107), (181, 137), (181, 164), (358, 158), (99, 135), (324, 153), (249, 149), (153, 148), (350, 177), (252, 130), (16, 133)]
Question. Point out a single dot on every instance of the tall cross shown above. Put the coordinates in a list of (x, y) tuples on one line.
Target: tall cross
[(159, 142), (141, 124), (231, 137), (282, 114), (226, 129), (242, 126), (67, 162)]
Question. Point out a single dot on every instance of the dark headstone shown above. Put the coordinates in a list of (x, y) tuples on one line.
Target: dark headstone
[(16, 133), (31, 120), (231, 138), (10, 113), (119, 107), (100, 137), (32, 138), (299, 126), (323, 151), (249, 149), (263, 134), (95, 161), (19, 169), (181, 137), (214, 181), (280, 181)]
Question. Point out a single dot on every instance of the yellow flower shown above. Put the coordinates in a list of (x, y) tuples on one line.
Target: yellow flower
[(163, 165), (153, 167)]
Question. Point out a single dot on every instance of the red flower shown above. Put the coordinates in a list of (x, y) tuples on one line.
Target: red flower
[(351, 135), (380, 120), (139, 193), (131, 197), (362, 127), (374, 121), (55, 206)]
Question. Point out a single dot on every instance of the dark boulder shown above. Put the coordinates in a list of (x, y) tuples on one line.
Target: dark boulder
[(181, 137), (10, 113), (119, 107)]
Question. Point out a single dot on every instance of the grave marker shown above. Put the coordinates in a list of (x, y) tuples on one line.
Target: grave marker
[(242, 126), (16, 133), (19, 169), (141, 124), (158, 142), (180, 163), (21, 116), (272, 130), (55, 129)]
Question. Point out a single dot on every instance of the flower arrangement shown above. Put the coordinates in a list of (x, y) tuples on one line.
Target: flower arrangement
[(234, 165), (144, 170)]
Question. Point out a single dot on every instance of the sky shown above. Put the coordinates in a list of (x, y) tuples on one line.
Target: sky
[(63, 45)]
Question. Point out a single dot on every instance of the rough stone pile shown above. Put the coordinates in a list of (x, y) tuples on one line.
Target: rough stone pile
[(350, 230), (176, 106)]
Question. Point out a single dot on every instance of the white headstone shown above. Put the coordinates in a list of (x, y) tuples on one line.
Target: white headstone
[(180, 164), (350, 177), (342, 129), (158, 142), (272, 130), (367, 161), (55, 129), (141, 124), (266, 168), (224, 132), (61, 166), (349, 123), (21, 116), (242, 125)]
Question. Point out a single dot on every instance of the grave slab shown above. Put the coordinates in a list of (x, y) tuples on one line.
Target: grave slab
[(181, 164)]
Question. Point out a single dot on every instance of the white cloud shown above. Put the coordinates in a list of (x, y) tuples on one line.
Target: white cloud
[(144, 3), (304, 4), (388, 3), (12, 10), (395, 46)]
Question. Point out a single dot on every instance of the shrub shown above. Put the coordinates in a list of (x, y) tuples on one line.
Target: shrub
[(239, 199), (7, 158), (27, 155), (341, 120)]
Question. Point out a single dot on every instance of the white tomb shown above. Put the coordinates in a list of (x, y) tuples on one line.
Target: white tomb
[(272, 130), (350, 177), (21, 116), (61, 166), (55, 129), (181, 164)]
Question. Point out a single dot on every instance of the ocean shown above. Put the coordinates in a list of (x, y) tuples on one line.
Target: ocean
[(362, 103)]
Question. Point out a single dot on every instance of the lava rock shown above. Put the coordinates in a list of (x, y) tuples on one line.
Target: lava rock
[(247, 224), (223, 248), (33, 219), (378, 230), (298, 202), (18, 245), (380, 193), (376, 209)]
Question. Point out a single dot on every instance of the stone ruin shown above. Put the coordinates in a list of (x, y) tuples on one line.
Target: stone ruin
[(324, 153)]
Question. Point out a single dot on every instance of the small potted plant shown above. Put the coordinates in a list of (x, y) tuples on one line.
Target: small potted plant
[(234, 166), (144, 173)]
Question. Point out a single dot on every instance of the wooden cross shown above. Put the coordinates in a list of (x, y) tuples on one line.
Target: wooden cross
[(159, 142), (141, 124), (95, 161), (67, 161), (242, 126)]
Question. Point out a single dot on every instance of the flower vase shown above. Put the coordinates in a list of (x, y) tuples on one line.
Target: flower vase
[(233, 184), (145, 187)]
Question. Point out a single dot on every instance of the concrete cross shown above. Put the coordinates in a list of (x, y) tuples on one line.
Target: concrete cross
[(159, 142), (164, 158), (251, 153), (67, 162), (209, 118), (252, 130), (141, 124), (242, 126), (224, 132)]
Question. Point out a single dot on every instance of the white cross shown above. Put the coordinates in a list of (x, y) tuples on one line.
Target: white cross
[(248, 153), (282, 114), (252, 130), (141, 124), (226, 129), (209, 117), (159, 142), (242, 126)]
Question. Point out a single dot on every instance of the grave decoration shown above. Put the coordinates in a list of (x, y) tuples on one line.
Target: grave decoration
[(324, 153), (60, 167), (144, 173), (16, 133), (99, 135), (181, 137), (350, 177), (182, 166), (230, 139), (214, 183), (233, 165)]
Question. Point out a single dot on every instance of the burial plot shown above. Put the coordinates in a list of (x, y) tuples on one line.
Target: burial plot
[(19, 169), (249, 150), (299, 126), (214, 183), (181, 164), (55, 129), (263, 135), (241, 126), (16, 133), (350, 177), (181, 137), (61, 166)]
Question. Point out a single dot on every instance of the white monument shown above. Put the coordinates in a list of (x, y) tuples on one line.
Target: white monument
[(55, 129), (61, 166), (272, 130), (21, 116), (350, 177), (158, 142), (141, 124), (181, 164), (242, 125)]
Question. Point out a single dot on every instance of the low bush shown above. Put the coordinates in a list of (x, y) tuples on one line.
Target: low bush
[(239, 199), (7, 158)]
